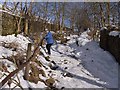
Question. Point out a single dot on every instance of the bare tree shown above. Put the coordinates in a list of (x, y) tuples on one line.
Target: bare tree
[(63, 17), (108, 12), (4, 5), (57, 15)]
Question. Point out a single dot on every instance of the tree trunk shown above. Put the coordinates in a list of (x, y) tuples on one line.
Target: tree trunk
[(63, 17), (0, 23), (62, 23), (26, 27), (102, 15), (26, 75), (108, 12), (72, 22), (19, 26), (3, 6)]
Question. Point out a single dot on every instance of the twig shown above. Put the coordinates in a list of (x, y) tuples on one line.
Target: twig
[(17, 84), (14, 62), (22, 66)]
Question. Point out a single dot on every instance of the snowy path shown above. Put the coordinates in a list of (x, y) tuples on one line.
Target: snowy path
[(84, 66), (94, 67), (80, 77)]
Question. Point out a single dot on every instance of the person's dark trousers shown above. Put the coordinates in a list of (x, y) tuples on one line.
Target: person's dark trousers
[(48, 46)]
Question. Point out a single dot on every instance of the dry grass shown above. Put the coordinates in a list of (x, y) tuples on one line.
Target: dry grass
[(12, 45)]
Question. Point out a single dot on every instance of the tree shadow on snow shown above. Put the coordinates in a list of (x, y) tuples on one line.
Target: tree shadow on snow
[(81, 78), (88, 59), (95, 63)]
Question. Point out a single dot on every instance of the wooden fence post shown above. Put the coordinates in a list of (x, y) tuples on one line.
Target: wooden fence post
[(26, 74)]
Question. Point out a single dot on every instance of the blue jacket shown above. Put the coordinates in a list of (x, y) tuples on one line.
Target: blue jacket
[(49, 38)]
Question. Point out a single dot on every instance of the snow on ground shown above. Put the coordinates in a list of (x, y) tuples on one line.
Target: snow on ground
[(5, 52), (93, 67), (84, 66), (20, 40), (22, 43), (104, 28), (8, 12), (99, 63), (82, 39)]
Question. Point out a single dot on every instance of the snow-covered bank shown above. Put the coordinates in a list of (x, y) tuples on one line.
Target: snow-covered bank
[(84, 66), (114, 33), (90, 65), (101, 64), (20, 40), (7, 45)]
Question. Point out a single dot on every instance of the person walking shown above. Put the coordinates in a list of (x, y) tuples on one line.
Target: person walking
[(49, 40)]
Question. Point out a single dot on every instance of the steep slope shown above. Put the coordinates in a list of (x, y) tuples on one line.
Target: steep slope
[(83, 66), (89, 65)]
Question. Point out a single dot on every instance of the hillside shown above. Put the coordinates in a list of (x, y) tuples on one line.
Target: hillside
[(83, 66)]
